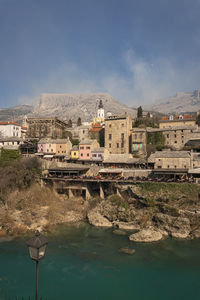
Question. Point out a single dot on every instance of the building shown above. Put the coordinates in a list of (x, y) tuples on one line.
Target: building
[(10, 143), (97, 132), (124, 161), (10, 129), (99, 154), (85, 149), (177, 121), (54, 148), (138, 141), (80, 133), (44, 127), (170, 160), (118, 133), (75, 153), (99, 119)]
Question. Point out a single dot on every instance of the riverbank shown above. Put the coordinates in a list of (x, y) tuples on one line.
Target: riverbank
[(154, 210)]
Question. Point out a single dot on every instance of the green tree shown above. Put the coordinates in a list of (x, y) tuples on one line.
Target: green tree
[(139, 112)]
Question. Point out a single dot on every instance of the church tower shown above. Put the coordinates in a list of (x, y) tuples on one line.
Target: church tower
[(100, 111)]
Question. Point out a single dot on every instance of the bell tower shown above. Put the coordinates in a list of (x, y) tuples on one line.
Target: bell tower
[(100, 111)]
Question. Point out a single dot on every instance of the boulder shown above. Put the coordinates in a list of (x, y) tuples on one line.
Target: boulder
[(146, 235), (96, 219), (127, 250), (127, 225)]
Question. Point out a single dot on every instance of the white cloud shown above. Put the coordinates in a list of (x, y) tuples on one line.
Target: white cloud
[(147, 81)]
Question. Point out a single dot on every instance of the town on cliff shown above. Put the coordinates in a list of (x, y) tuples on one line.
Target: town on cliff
[(138, 174)]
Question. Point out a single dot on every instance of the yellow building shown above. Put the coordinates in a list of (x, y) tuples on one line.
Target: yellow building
[(177, 121), (75, 152)]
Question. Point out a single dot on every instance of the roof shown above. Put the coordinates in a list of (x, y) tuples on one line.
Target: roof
[(9, 123), (10, 139), (87, 142), (178, 118), (53, 141), (168, 154), (70, 167), (123, 158), (182, 127), (99, 150)]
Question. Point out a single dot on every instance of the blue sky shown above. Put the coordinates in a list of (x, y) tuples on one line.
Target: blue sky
[(135, 50)]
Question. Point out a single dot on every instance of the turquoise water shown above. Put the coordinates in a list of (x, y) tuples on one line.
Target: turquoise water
[(84, 263)]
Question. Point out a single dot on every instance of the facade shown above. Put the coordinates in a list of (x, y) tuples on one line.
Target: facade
[(138, 141), (177, 137), (118, 133), (99, 154), (85, 149), (10, 143), (10, 129), (58, 147), (44, 127), (170, 160), (80, 133), (75, 153), (177, 121)]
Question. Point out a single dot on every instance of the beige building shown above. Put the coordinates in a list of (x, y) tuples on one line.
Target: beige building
[(177, 137), (44, 127), (118, 133), (170, 160), (177, 121)]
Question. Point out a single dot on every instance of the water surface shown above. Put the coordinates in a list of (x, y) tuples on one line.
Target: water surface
[(85, 263)]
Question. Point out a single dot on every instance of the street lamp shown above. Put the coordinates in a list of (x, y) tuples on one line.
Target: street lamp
[(37, 247)]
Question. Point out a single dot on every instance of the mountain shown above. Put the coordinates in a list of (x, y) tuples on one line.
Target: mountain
[(180, 103), (15, 113), (71, 106)]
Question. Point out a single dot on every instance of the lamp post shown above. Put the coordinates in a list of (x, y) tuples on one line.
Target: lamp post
[(37, 247)]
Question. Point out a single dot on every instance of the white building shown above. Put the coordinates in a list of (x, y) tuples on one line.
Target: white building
[(10, 129)]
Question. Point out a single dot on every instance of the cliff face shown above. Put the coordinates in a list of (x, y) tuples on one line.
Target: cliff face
[(73, 106), (181, 102)]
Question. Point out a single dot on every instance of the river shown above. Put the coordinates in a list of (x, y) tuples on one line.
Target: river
[(84, 262)]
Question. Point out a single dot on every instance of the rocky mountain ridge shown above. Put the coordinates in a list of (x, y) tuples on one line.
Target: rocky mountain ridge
[(180, 103), (67, 106)]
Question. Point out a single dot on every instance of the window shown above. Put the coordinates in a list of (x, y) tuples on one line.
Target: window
[(168, 166), (110, 136), (122, 136), (135, 136), (60, 146), (58, 151), (182, 130), (81, 154), (175, 166), (117, 145), (175, 136), (109, 145), (122, 145), (51, 150), (47, 150), (110, 125), (94, 155), (87, 154), (167, 135), (122, 124), (140, 135), (83, 131), (88, 147), (74, 153), (175, 142)]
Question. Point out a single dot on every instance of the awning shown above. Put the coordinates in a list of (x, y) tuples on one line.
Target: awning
[(48, 156), (39, 154), (114, 171)]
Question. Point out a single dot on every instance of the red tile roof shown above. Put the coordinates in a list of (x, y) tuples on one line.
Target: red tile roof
[(9, 123)]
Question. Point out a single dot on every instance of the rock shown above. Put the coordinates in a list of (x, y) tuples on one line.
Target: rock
[(146, 235), (196, 234), (96, 219), (127, 250), (3, 233), (127, 225), (119, 232), (177, 227)]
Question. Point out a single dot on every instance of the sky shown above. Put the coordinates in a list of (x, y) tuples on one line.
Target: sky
[(135, 50)]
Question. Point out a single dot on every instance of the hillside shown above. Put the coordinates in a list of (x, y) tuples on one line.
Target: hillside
[(15, 113), (73, 106), (181, 102)]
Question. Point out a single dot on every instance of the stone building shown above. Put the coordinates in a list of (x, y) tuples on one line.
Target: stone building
[(118, 133), (170, 160), (177, 121), (138, 141), (80, 133), (45, 127), (177, 137)]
